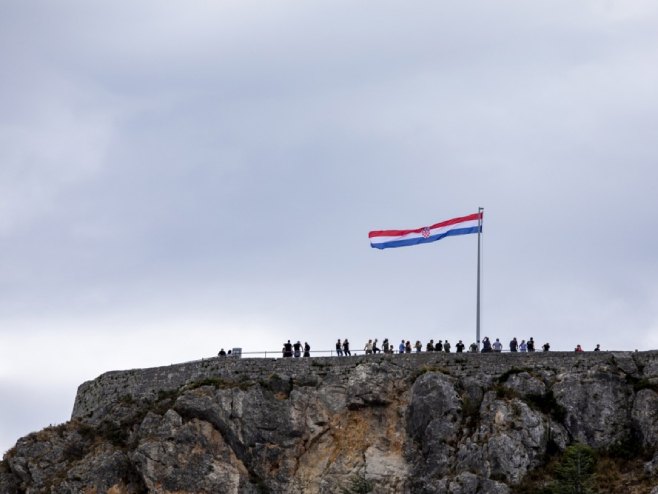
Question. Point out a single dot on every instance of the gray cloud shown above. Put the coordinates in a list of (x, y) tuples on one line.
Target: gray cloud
[(176, 178)]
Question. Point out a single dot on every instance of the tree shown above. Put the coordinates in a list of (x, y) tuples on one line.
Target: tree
[(574, 472)]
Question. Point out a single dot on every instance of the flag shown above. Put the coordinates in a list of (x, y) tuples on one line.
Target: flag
[(386, 239)]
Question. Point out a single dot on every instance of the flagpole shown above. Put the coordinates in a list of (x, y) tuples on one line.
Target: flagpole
[(477, 311)]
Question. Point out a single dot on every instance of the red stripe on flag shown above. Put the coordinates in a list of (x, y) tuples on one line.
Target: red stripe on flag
[(398, 233)]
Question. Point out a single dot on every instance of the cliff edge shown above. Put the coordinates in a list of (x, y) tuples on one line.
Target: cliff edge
[(414, 423)]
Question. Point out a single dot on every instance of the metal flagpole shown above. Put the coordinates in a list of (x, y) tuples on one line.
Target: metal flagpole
[(477, 311)]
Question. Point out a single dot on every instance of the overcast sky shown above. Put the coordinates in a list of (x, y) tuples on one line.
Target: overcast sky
[(176, 177)]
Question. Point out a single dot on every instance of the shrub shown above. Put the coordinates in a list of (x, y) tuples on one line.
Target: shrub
[(574, 472)]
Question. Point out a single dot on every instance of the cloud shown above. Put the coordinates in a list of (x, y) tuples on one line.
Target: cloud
[(46, 149), (176, 178)]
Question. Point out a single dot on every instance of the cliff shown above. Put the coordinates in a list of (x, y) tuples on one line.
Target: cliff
[(425, 423)]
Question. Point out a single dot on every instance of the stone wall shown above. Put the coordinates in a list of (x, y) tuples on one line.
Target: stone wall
[(97, 394)]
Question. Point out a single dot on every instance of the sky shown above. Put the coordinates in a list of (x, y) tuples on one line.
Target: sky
[(178, 177)]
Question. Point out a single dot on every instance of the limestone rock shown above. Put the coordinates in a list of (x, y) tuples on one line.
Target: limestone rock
[(597, 407), (419, 423), (645, 415)]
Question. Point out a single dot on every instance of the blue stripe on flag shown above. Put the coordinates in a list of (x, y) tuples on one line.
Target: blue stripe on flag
[(422, 240)]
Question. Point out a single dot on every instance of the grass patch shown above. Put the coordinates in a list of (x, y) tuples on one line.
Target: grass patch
[(44, 434), (115, 434)]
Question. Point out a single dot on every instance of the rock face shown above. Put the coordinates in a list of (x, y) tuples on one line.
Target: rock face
[(425, 423)]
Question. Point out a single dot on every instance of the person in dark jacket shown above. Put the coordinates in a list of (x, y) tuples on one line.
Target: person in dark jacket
[(346, 348)]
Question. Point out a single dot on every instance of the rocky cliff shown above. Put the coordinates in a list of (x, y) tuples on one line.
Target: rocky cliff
[(425, 423)]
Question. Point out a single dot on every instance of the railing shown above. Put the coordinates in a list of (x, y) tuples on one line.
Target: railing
[(354, 353), (279, 353)]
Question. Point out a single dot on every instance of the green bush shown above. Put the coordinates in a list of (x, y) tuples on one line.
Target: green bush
[(574, 473)]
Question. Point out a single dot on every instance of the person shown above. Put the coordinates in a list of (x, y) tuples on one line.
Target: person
[(523, 347), (446, 346), (407, 347), (346, 348), (531, 345), (287, 349), (385, 345), (368, 347), (497, 346), (546, 347), (307, 349), (578, 349), (513, 345), (298, 349), (374, 347), (486, 345), (222, 353), (598, 348), (430, 346), (459, 346), (439, 346), (473, 348), (339, 348), (401, 347)]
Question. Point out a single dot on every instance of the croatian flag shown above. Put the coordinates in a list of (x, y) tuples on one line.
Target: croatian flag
[(387, 239)]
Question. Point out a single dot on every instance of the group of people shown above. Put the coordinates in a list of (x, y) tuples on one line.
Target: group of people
[(295, 349), (597, 348), (372, 346), (343, 348), (514, 345)]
